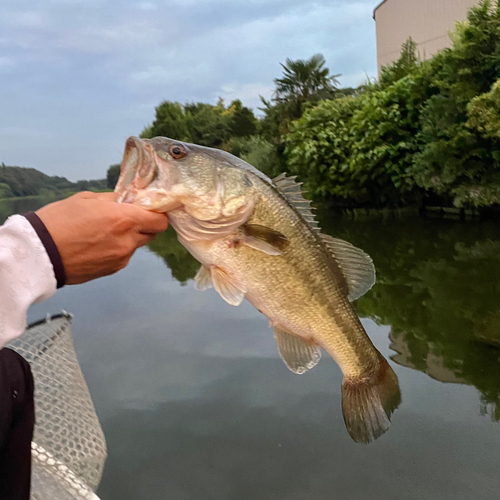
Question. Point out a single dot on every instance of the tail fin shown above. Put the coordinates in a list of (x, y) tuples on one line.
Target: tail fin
[(367, 403)]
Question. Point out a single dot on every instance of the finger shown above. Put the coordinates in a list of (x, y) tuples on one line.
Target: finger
[(145, 220), (149, 222), (86, 195), (107, 196), (142, 239)]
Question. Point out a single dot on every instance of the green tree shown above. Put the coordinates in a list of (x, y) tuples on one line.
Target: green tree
[(257, 151), (406, 64), (242, 121), (357, 150), (318, 149), (147, 132), (5, 191), (202, 123), (171, 120), (459, 162), (304, 82), (210, 125), (426, 129), (29, 181), (112, 175), (484, 113)]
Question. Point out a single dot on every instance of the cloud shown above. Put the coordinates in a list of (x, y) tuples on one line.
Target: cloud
[(24, 19), (111, 39), (90, 72), (6, 64), (249, 93), (147, 6), (240, 52)]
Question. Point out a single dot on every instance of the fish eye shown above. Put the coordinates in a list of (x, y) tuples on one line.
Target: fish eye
[(177, 151)]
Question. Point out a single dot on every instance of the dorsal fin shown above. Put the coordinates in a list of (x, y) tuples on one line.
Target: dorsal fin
[(292, 191), (357, 266)]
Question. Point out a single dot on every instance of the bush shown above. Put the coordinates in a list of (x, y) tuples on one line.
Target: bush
[(484, 113), (430, 128), (257, 151), (358, 150), (457, 158), (5, 191)]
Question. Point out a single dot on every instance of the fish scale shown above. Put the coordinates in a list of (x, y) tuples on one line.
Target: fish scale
[(257, 238)]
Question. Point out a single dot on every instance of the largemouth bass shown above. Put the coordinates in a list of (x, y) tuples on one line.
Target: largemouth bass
[(257, 238)]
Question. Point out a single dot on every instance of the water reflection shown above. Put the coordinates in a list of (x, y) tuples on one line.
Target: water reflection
[(234, 442), (438, 285), (21, 205), (175, 256), (195, 403)]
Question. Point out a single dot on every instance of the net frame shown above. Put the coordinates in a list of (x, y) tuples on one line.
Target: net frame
[(68, 447)]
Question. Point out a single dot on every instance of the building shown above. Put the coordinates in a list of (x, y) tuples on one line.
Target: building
[(427, 22)]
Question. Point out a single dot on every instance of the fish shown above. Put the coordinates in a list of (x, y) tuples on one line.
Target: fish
[(257, 239)]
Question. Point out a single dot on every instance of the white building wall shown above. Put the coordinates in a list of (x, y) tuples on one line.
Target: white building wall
[(426, 21)]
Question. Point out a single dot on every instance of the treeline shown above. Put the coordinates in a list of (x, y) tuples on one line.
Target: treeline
[(233, 128), (259, 140), (19, 181), (426, 132)]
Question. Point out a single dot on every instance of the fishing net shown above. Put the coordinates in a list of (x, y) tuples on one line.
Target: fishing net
[(68, 448)]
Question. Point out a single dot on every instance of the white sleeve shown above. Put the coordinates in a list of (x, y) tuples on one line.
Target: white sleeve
[(26, 275)]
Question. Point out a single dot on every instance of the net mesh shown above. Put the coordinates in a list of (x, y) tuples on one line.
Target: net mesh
[(68, 448)]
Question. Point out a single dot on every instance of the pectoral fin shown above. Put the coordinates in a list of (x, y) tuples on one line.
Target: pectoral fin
[(264, 239), (203, 279), (230, 290), (298, 355)]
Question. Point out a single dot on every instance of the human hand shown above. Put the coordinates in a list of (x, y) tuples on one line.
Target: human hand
[(95, 235)]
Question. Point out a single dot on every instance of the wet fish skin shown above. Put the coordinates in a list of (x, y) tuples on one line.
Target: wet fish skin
[(256, 240)]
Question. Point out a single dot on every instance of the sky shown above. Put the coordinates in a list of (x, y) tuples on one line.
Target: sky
[(77, 77)]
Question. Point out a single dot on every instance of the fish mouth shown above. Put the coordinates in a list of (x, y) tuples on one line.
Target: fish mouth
[(138, 169)]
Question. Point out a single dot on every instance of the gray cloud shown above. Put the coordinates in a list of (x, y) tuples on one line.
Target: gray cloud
[(77, 77)]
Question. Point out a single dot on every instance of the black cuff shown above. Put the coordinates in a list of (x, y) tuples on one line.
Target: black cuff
[(50, 247)]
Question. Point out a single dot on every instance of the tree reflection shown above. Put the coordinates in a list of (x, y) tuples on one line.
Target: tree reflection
[(438, 286), (23, 204), (180, 262)]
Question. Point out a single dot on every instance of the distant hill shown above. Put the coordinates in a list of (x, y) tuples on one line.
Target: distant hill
[(20, 181)]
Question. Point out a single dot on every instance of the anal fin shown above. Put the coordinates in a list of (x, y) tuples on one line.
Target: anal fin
[(298, 355)]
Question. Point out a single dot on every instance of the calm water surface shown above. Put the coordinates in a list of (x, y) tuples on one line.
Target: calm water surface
[(197, 405)]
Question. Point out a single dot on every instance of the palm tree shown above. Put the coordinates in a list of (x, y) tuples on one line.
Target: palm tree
[(304, 81)]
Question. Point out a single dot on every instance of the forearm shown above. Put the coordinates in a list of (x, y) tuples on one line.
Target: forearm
[(72, 241), (26, 275)]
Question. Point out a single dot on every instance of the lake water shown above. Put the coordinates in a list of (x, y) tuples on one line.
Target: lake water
[(197, 405)]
